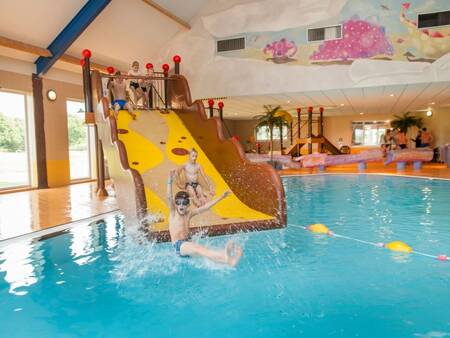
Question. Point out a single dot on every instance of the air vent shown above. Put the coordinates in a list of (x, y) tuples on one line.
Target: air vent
[(325, 33), (230, 44), (434, 19)]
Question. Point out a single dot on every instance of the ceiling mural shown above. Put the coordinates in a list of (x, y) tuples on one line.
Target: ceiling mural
[(388, 32)]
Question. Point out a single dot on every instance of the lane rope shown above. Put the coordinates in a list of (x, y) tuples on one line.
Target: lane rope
[(393, 246)]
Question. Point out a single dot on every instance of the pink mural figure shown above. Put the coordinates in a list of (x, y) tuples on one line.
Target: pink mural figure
[(281, 50), (431, 45), (360, 40)]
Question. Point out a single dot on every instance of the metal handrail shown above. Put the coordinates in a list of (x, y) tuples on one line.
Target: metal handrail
[(137, 77)]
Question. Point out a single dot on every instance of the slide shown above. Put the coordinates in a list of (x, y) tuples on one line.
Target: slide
[(140, 154), (330, 147)]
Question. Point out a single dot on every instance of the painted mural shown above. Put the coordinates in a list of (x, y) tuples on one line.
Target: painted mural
[(389, 32)]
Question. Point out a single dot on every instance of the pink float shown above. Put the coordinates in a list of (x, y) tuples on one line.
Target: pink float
[(323, 160), (401, 157)]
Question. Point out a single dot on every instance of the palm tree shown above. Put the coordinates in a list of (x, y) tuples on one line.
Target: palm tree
[(270, 120), (406, 121)]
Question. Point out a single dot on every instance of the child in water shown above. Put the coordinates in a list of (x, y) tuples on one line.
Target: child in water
[(119, 93), (179, 222)]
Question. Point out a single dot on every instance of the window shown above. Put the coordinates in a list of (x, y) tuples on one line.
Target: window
[(434, 19), (230, 44), (368, 133), (325, 33), (14, 147), (263, 133), (79, 141)]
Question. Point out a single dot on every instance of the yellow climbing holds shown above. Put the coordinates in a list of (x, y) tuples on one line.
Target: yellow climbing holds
[(398, 246), (318, 228)]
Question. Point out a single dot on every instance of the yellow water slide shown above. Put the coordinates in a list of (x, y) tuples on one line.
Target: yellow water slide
[(140, 154)]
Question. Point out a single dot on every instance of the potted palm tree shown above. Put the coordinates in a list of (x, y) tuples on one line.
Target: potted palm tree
[(269, 119), (406, 121)]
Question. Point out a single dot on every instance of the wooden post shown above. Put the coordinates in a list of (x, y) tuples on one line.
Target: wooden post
[(310, 111), (211, 108), (220, 104), (41, 154), (177, 60), (321, 128), (165, 68), (89, 108), (291, 131)]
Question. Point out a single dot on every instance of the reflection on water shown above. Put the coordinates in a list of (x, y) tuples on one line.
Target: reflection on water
[(22, 263)]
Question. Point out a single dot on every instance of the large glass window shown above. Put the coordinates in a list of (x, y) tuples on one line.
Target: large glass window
[(79, 141), (368, 133), (263, 133), (14, 154)]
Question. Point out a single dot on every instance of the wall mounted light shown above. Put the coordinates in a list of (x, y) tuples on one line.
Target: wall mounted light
[(51, 95)]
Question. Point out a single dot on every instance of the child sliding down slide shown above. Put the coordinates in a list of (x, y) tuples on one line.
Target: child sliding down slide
[(192, 173), (119, 93), (179, 221)]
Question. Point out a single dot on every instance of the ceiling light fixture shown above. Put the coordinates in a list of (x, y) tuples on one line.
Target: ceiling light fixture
[(342, 104), (391, 95), (429, 112), (432, 102)]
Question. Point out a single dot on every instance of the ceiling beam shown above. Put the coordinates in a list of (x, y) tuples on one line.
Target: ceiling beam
[(167, 13), (76, 61), (70, 33), (24, 47)]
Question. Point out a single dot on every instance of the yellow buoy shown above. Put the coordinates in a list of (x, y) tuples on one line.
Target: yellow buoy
[(398, 246), (319, 228)]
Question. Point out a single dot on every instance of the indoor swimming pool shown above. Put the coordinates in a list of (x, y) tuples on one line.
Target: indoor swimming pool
[(102, 280)]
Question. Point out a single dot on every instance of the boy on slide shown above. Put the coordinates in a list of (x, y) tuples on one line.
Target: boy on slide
[(179, 221), (119, 91), (193, 171)]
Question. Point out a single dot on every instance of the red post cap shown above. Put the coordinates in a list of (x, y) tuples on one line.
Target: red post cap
[(86, 53), (165, 67), (82, 62), (235, 137), (176, 59), (321, 109), (149, 65), (220, 104), (299, 110), (211, 103), (110, 70), (310, 109)]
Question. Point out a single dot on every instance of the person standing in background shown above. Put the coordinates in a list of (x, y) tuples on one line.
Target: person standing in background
[(426, 138), (401, 139)]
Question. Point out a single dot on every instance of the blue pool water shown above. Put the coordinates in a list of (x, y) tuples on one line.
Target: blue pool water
[(99, 280)]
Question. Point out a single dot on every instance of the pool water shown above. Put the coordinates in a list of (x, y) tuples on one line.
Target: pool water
[(102, 280)]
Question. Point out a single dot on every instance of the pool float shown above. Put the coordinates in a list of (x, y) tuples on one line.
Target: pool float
[(398, 246), (319, 229), (417, 156)]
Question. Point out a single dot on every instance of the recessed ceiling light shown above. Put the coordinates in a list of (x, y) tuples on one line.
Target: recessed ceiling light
[(391, 95), (342, 104), (361, 113), (388, 121), (288, 101), (432, 102)]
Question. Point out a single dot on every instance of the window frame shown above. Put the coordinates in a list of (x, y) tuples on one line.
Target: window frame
[(285, 135), (28, 147), (363, 123), (90, 146)]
